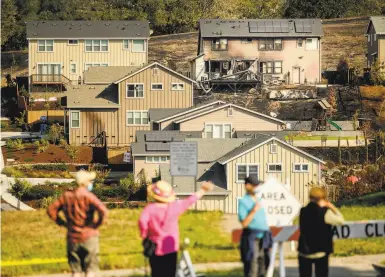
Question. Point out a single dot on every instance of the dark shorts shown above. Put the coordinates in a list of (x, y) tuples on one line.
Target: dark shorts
[(84, 256)]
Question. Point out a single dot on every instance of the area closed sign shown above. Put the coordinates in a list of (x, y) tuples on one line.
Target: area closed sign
[(280, 205), (183, 158)]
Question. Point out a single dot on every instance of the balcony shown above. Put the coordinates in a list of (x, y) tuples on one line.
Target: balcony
[(49, 79)]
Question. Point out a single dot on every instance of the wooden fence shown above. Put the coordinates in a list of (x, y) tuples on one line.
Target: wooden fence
[(52, 116), (115, 155)]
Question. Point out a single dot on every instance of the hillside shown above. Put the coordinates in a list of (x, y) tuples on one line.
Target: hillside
[(343, 38)]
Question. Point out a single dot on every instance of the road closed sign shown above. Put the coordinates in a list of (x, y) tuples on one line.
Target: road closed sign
[(184, 158), (280, 205)]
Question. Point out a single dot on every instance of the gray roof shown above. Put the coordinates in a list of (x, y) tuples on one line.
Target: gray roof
[(206, 172), (378, 24), (212, 28), (88, 29), (92, 96), (157, 114), (210, 150), (157, 142), (243, 148), (107, 74), (253, 134)]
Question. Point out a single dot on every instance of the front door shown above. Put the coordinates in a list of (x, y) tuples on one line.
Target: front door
[(296, 75), (217, 131)]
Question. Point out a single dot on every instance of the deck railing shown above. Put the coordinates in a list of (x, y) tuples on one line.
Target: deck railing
[(49, 79)]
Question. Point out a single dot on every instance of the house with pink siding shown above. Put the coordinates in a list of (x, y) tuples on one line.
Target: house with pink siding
[(287, 50)]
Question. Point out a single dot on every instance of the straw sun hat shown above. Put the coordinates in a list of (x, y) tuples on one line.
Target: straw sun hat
[(161, 191), (84, 177)]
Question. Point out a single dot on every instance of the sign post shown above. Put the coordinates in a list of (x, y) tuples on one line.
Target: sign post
[(127, 157)]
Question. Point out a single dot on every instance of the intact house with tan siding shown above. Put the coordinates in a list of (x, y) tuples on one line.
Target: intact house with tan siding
[(286, 50), (375, 34), (59, 52), (227, 162), (120, 107)]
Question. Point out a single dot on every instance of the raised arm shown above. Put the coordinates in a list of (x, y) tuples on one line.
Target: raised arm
[(54, 209), (333, 216)]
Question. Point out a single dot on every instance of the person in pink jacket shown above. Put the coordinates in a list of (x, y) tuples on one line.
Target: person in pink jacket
[(159, 223)]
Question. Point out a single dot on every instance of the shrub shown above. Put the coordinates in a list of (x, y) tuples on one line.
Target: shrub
[(15, 144), (377, 76), (50, 167), (101, 172), (46, 202), (41, 145), (4, 124), (63, 143), (20, 188), (129, 185), (330, 164), (39, 192), (11, 171), (20, 121), (55, 133), (72, 151)]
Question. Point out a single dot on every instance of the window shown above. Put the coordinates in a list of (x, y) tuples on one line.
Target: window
[(299, 43), (267, 44), (73, 42), (138, 45), (177, 86), (246, 170), (75, 119), (274, 167), (230, 112), (374, 37), (298, 167), (135, 91), (126, 44), (247, 40), (137, 117), (273, 148), (157, 159), (88, 65), (219, 44), (73, 68), (369, 37), (96, 45), (45, 45), (156, 86), (218, 130), (270, 67), (311, 44)]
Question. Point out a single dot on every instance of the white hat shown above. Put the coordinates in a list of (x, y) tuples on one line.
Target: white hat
[(83, 177)]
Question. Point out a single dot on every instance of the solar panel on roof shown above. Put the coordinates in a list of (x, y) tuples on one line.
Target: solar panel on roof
[(307, 28), (157, 146), (299, 26), (159, 137)]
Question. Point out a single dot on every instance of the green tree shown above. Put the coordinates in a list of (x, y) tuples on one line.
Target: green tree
[(377, 73), (55, 132), (8, 20)]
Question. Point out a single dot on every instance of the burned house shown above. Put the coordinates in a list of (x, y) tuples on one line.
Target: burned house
[(272, 51)]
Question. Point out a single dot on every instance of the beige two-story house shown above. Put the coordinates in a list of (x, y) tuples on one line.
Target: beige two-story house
[(375, 34), (288, 50), (59, 52)]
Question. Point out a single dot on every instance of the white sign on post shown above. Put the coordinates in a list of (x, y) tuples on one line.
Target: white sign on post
[(127, 157), (280, 205), (184, 159)]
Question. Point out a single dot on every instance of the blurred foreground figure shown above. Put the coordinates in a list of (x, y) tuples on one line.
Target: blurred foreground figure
[(256, 238), (79, 207), (316, 237), (159, 229)]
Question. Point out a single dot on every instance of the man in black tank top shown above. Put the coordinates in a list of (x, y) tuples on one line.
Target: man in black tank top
[(316, 236)]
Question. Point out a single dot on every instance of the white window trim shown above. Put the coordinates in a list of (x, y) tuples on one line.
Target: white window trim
[(93, 64), (274, 171), (160, 161), (68, 42), (133, 111), (92, 46), (45, 51), (76, 67), (223, 128), (48, 63), (156, 84), (228, 111), (301, 170), (184, 86), (135, 97), (247, 171), (312, 49), (144, 46), (78, 111), (270, 148), (129, 44)]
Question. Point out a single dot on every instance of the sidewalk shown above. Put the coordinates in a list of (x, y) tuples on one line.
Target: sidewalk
[(355, 266)]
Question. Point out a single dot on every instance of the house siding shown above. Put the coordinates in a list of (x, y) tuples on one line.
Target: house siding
[(240, 121), (291, 56), (150, 169), (262, 156), (209, 203), (66, 54), (381, 48), (372, 46)]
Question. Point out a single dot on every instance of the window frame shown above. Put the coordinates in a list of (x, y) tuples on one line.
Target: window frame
[(161, 89), (71, 112), (128, 44), (247, 171), (298, 40), (271, 42), (151, 161), (274, 171), (45, 45), (141, 118), (272, 67), (100, 46), (316, 44), (218, 48), (132, 46), (76, 68), (72, 44), (135, 93), (183, 84), (301, 170), (223, 129), (94, 64), (276, 149)]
